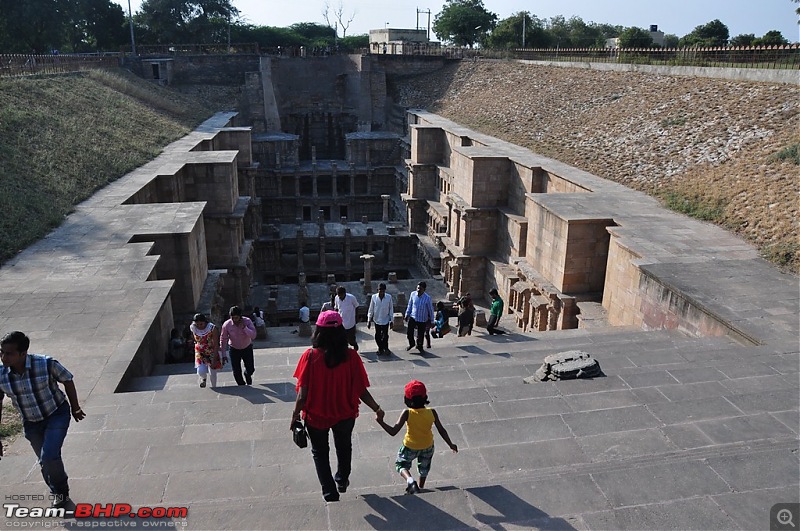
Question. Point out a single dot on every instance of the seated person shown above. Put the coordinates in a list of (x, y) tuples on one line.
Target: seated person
[(441, 326)]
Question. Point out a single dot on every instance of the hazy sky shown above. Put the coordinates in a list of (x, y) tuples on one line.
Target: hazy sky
[(677, 17)]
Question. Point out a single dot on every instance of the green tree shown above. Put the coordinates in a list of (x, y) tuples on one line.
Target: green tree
[(744, 39), (464, 22), (267, 37), (671, 41), (559, 32), (187, 21), (312, 32), (353, 43), (605, 32), (32, 26), (583, 35), (40, 26), (508, 32), (771, 38), (634, 37), (95, 25), (714, 33)]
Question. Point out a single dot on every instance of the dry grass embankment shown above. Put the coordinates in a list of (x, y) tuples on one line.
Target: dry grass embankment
[(719, 150), (63, 137)]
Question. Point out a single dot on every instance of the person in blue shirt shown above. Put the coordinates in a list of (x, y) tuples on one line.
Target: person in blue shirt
[(419, 315), (31, 381)]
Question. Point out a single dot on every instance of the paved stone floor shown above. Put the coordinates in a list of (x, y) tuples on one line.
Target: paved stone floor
[(681, 433)]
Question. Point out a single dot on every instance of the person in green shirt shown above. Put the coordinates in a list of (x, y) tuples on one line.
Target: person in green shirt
[(495, 312)]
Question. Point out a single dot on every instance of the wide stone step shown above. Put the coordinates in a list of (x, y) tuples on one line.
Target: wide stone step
[(471, 359)]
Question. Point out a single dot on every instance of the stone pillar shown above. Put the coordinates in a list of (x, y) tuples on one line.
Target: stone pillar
[(480, 318), (568, 318), (272, 306), (455, 285), (554, 310), (302, 290), (347, 242), (296, 185), (367, 272), (467, 219), (390, 249), (334, 171), (300, 265), (370, 237), (322, 266), (458, 228), (449, 220), (385, 198), (540, 317), (398, 323)]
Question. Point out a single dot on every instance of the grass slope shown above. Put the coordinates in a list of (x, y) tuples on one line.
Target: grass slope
[(63, 137)]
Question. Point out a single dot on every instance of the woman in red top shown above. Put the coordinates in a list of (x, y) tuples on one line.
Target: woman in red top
[(331, 380)]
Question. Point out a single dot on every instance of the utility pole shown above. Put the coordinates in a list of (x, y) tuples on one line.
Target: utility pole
[(130, 19), (428, 12), (524, 16)]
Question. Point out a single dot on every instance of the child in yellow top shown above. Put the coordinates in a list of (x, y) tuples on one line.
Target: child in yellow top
[(418, 441)]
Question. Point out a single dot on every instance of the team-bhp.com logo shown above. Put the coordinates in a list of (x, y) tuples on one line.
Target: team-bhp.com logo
[(19, 516)]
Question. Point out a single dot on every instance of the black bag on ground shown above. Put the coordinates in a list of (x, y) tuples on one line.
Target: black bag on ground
[(299, 435)]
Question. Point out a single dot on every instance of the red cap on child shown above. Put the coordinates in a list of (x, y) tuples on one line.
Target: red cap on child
[(415, 388)]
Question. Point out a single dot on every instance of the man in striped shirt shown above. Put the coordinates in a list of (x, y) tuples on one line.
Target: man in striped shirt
[(31, 381), (419, 315)]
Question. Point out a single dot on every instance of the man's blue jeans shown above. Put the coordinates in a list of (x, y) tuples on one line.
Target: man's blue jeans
[(47, 437)]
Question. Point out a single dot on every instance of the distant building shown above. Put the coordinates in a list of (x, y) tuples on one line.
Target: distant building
[(398, 41), (657, 36)]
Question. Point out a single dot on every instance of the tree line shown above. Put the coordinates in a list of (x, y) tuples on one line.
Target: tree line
[(81, 26), (469, 23), (87, 26)]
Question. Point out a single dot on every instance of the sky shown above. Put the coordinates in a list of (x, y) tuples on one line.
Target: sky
[(677, 17)]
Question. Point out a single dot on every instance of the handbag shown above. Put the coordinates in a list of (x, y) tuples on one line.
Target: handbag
[(299, 435)]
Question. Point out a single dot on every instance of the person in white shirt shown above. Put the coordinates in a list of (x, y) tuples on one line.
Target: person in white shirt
[(381, 312), (347, 305)]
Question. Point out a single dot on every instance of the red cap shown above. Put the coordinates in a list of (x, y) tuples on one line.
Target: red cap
[(415, 388)]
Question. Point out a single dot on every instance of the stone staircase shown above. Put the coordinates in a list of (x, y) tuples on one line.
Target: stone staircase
[(682, 433)]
